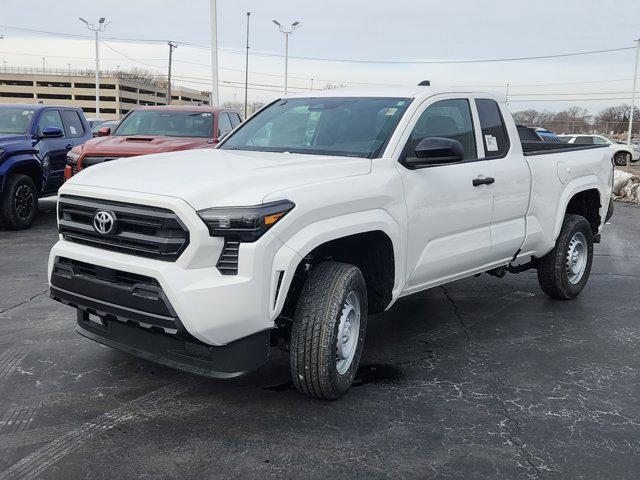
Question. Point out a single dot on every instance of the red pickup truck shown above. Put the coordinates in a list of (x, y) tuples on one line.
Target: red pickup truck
[(147, 130)]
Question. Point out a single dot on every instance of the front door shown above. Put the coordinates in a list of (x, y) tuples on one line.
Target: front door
[(53, 151), (449, 219)]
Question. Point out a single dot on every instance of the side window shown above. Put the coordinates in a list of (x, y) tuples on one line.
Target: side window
[(50, 118), (224, 125), (494, 132), (235, 119), (599, 141), (446, 118), (73, 124), (583, 141)]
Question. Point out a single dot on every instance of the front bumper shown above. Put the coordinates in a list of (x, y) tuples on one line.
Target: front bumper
[(212, 308), (229, 361)]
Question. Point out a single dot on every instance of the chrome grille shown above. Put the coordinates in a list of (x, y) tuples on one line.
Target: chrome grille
[(140, 230)]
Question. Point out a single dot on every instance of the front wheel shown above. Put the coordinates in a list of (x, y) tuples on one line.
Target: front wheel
[(620, 158), (564, 271), (19, 202), (328, 330)]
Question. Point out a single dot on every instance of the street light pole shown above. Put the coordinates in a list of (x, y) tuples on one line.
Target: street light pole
[(43, 64), (100, 28), (286, 33), (215, 98), (633, 94), (246, 72), (172, 47)]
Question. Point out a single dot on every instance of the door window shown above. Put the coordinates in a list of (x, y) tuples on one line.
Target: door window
[(50, 118), (583, 141), (235, 119), (494, 132), (449, 119), (224, 124), (73, 124), (600, 141)]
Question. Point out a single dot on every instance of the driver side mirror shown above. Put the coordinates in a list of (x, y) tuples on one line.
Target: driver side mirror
[(104, 132), (433, 151), (51, 132)]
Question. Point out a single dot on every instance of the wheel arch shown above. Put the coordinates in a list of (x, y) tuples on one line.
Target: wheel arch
[(370, 240), (27, 165), (582, 197)]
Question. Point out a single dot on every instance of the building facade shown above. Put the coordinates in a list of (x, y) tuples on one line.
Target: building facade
[(120, 92)]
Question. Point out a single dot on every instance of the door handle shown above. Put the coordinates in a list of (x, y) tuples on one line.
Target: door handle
[(483, 181)]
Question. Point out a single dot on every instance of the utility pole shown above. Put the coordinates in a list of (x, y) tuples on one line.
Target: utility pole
[(507, 95), (43, 59), (97, 29), (633, 94), (286, 33), (312, 84), (246, 73), (214, 55), (172, 47)]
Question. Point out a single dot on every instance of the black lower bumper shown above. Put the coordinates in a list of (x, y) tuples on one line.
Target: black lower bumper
[(133, 314), (229, 361)]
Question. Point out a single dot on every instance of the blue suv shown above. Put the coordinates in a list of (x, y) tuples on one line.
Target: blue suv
[(34, 141)]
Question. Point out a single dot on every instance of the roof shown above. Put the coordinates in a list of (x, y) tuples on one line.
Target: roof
[(399, 92), (36, 106), (183, 108)]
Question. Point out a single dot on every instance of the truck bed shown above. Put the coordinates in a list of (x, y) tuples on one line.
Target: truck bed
[(543, 148)]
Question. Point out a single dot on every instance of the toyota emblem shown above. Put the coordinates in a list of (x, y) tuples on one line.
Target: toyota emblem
[(104, 222)]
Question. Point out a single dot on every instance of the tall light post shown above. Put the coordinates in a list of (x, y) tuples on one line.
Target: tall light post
[(214, 55), (286, 33), (43, 60), (97, 29), (246, 72), (633, 94)]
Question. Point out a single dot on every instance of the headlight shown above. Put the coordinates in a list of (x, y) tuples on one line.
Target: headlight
[(244, 223), (72, 158)]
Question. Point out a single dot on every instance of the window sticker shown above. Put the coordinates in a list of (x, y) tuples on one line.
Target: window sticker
[(73, 130), (492, 143), (391, 111)]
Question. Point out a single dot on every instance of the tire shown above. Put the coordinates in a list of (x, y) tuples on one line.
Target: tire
[(19, 202), (557, 272), (319, 368), (620, 159)]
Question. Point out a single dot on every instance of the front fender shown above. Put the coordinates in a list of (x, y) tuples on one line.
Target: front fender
[(21, 161), (313, 235)]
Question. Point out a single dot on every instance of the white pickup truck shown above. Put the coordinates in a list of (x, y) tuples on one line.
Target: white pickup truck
[(313, 214)]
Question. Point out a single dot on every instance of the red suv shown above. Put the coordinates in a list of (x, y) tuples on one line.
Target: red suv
[(147, 130)]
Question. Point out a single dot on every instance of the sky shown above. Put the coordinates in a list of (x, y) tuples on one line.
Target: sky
[(366, 31)]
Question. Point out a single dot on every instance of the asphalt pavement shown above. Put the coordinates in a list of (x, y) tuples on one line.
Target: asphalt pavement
[(482, 378)]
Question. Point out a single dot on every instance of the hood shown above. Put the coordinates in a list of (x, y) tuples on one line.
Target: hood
[(141, 145), (211, 178), (6, 140)]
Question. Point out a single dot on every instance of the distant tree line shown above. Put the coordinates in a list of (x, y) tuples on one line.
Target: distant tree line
[(610, 121)]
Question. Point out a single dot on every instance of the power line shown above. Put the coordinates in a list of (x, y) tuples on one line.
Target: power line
[(341, 60)]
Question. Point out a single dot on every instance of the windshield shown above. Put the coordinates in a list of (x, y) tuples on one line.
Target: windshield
[(168, 123), (15, 120), (357, 127)]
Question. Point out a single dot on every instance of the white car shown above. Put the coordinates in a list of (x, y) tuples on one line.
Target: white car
[(621, 152), (314, 213)]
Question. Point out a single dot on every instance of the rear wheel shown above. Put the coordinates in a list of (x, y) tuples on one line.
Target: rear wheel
[(621, 158), (564, 271), (328, 330), (19, 202)]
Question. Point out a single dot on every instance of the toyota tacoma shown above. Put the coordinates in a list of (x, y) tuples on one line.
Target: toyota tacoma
[(315, 213)]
